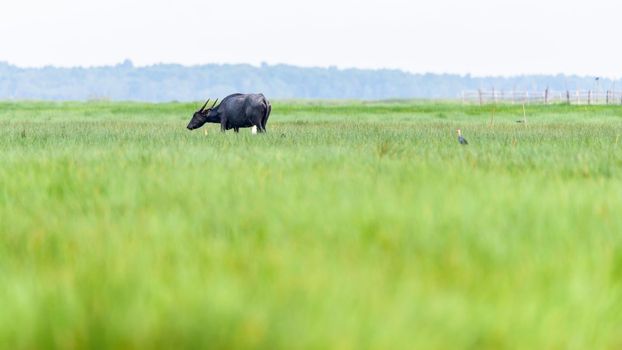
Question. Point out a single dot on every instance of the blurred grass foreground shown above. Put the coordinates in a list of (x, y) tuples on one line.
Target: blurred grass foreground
[(349, 225)]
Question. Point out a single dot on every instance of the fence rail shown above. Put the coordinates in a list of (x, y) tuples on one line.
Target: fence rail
[(579, 97)]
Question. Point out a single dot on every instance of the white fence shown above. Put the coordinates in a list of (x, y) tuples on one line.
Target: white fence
[(580, 97)]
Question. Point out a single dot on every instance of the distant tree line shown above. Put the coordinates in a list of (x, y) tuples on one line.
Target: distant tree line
[(172, 82)]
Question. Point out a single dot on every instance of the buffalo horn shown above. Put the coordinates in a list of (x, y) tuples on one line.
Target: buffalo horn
[(202, 108)]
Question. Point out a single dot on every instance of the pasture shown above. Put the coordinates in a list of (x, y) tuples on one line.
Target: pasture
[(349, 225)]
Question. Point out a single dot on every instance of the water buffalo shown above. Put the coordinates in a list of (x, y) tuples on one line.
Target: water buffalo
[(234, 112)]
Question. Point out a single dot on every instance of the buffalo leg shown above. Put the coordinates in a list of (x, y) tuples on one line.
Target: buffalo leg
[(223, 125), (258, 128), (237, 130), (258, 123)]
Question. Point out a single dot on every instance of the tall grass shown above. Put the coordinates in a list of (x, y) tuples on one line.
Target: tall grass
[(349, 225)]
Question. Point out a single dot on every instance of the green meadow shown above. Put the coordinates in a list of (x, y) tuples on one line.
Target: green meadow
[(349, 225)]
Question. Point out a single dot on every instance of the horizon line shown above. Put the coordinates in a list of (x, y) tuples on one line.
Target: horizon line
[(129, 63)]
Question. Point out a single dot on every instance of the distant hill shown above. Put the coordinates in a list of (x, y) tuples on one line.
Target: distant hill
[(171, 82)]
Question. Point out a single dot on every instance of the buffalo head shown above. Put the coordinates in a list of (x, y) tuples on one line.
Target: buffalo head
[(201, 116)]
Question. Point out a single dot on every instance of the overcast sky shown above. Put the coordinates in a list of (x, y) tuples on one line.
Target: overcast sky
[(481, 37)]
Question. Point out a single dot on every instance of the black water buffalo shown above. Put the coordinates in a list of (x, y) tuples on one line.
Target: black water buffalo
[(234, 112)]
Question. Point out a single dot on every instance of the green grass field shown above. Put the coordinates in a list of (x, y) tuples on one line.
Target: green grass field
[(349, 225)]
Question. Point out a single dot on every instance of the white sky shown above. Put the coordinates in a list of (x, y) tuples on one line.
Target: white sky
[(481, 37)]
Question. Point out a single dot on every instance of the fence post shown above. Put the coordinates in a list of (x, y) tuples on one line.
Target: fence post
[(546, 96), (589, 97), (479, 91), (607, 98), (567, 96)]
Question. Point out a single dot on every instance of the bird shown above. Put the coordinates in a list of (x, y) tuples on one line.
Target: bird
[(461, 138)]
